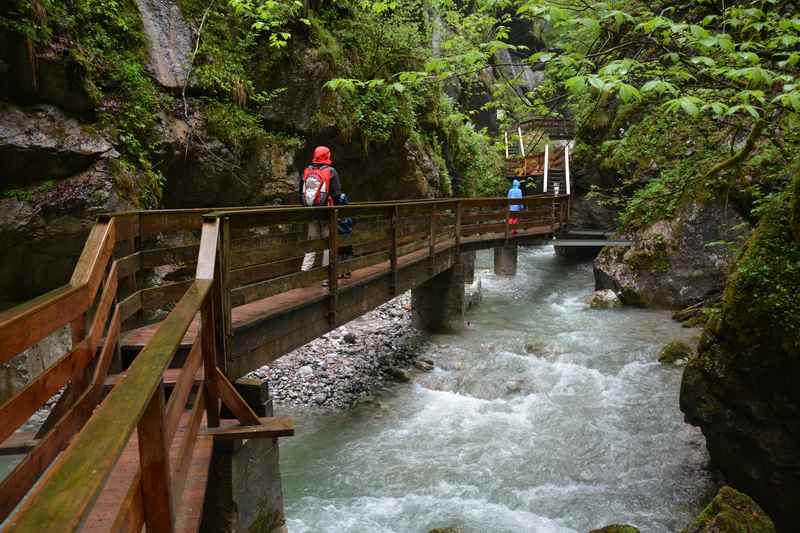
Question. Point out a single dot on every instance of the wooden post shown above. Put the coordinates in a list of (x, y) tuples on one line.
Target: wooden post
[(154, 461), (333, 279), (394, 215), (432, 241), (546, 165), (458, 226), (208, 348), (508, 216), (221, 299)]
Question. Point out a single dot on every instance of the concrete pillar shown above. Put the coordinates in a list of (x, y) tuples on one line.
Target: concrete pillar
[(505, 260), (244, 485), (468, 266), (438, 304)]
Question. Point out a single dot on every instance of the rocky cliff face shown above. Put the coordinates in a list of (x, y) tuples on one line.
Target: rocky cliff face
[(741, 389), (674, 263)]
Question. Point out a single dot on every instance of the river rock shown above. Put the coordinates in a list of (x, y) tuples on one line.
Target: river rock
[(603, 299), (674, 351), (676, 263), (399, 374), (731, 512), (446, 530), (423, 366), (305, 371), (616, 528), (350, 337)]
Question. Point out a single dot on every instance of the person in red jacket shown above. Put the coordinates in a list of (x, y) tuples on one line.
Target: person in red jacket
[(319, 186)]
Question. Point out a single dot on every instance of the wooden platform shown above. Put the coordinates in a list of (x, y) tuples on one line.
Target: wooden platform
[(189, 510)]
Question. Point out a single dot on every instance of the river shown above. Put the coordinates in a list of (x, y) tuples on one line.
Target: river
[(583, 432)]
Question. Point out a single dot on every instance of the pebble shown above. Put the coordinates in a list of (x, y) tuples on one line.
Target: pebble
[(350, 364)]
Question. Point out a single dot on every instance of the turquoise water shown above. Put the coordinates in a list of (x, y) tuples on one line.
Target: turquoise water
[(583, 433)]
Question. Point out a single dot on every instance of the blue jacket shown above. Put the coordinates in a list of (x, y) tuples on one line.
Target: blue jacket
[(515, 192)]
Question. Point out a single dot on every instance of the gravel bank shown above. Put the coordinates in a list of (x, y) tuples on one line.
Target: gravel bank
[(349, 363)]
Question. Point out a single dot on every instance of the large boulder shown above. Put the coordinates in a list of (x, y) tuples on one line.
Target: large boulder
[(43, 230), (44, 144), (676, 263), (202, 171), (741, 389), (731, 512)]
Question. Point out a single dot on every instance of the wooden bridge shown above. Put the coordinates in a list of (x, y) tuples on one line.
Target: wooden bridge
[(145, 393)]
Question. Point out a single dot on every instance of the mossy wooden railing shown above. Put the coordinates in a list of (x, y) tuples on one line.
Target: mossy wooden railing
[(243, 256)]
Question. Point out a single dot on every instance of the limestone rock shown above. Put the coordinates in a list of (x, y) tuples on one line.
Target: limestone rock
[(604, 299), (674, 264), (673, 351), (423, 366), (731, 512), (43, 233), (399, 374), (616, 528), (446, 530), (59, 78), (208, 173), (170, 41), (20, 370), (593, 212), (44, 144)]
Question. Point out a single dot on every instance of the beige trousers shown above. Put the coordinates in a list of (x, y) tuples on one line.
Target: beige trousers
[(316, 230)]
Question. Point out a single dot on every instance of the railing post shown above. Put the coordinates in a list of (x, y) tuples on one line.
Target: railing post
[(222, 295), (458, 226), (159, 514), (394, 215), (546, 165), (333, 279), (508, 216), (208, 349), (432, 241)]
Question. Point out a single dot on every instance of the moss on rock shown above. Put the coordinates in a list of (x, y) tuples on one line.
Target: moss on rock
[(616, 528), (731, 512), (673, 351)]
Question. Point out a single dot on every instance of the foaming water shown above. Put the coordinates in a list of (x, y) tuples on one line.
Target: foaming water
[(544, 416)]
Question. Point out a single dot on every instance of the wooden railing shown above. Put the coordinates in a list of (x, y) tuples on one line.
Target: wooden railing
[(242, 256)]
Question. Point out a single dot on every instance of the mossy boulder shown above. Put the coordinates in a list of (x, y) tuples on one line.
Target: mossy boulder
[(741, 389), (731, 512), (674, 263), (674, 351), (616, 528), (446, 530)]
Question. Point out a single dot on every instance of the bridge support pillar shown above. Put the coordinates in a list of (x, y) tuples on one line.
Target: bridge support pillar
[(439, 304), (244, 484), (468, 266), (505, 260)]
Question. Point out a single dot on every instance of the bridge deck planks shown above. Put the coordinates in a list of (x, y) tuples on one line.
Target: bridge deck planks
[(189, 511), (259, 310)]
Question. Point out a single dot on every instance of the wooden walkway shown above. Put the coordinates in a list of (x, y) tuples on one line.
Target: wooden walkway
[(126, 450)]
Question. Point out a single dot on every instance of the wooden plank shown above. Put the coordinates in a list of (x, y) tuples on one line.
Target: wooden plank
[(244, 258), (333, 259), (181, 470), (208, 349), (159, 514), (19, 443), (264, 289), (268, 428), (130, 305), (157, 297), (269, 240), (178, 255), (17, 484), (183, 386), (361, 262), (207, 254), (62, 499), (23, 326), (129, 264), (256, 273), (154, 222), (233, 401), (171, 376)]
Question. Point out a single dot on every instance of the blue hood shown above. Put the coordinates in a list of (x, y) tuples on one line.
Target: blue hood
[(515, 184)]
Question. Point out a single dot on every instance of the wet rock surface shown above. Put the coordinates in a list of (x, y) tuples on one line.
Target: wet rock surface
[(605, 299), (731, 512), (42, 143), (170, 41), (674, 264), (348, 364)]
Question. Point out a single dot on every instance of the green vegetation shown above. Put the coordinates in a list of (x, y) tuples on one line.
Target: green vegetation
[(731, 512), (673, 351)]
